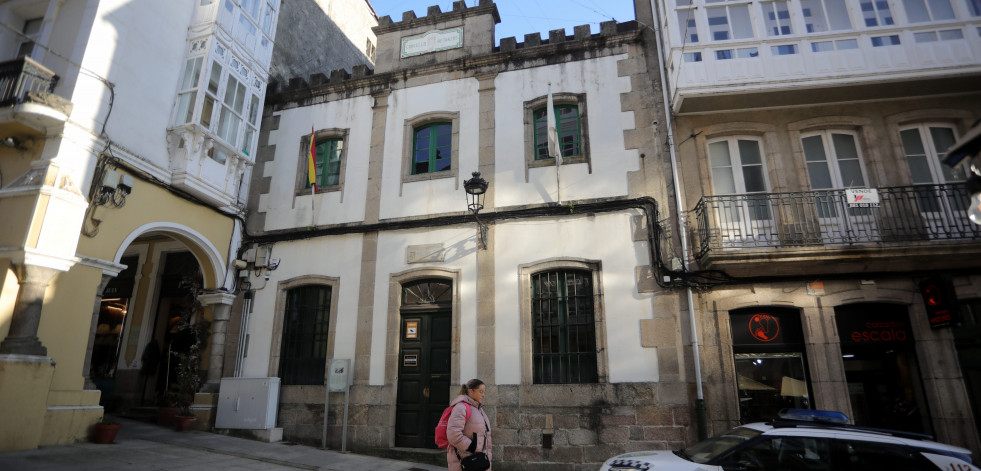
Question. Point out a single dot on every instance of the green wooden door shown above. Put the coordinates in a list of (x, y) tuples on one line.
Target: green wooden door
[(424, 376)]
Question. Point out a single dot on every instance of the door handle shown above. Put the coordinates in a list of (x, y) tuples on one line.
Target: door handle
[(425, 392)]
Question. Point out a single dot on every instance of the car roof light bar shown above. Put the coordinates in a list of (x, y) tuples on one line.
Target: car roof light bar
[(814, 415)]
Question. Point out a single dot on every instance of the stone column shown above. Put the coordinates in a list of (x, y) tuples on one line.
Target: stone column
[(22, 338), (97, 307), (220, 314)]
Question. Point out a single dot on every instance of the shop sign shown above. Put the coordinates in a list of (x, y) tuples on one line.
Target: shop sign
[(940, 300), (766, 327), (873, 330)]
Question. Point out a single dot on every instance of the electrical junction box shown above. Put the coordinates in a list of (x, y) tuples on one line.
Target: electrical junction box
[(248, 403)]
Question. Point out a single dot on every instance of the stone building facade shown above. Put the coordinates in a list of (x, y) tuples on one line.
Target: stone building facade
[(559, 308), (823, 224)]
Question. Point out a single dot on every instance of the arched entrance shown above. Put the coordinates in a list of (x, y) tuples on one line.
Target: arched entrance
[(141, 311)]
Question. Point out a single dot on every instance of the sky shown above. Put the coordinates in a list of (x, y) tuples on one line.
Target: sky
[(520, 17)]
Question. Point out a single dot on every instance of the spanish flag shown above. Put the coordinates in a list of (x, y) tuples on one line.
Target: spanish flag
[(312, 162)]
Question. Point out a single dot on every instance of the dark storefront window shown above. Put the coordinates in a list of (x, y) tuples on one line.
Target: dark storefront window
[(771, 373), (967, 338), (879, 356)]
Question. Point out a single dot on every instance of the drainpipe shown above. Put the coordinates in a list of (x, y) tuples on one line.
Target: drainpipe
[(700, 417)]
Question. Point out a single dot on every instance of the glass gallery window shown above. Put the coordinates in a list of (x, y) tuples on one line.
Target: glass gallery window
[(768, 345)]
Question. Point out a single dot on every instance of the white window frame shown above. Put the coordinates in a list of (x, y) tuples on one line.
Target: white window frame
[(831, 158), (938, 171)]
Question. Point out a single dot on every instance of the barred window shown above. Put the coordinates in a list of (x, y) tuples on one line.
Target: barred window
[(305, 327), (563, 328)]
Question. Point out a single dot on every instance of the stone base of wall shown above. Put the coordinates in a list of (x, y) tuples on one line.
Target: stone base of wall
[(590, 422)]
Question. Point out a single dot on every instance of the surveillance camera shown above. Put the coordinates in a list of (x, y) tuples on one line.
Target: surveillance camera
[(239, 264), (267, 277), (125, 184)]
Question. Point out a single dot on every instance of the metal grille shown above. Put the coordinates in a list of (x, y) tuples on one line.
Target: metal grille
[(920, 214), (20, 76), (303, 358), (564, 334)]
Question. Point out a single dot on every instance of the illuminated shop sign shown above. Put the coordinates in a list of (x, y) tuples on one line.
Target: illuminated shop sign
[(874, 330), (940, 300), (766, 327)]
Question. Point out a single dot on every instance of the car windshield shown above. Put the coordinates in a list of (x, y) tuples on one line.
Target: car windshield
[(703, 452)]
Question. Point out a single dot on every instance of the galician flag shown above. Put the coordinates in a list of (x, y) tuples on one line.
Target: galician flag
[(553, 132), (312, 162)]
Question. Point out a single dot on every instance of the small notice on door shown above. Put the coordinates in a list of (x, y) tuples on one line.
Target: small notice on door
[(410, 360), (412, 329)]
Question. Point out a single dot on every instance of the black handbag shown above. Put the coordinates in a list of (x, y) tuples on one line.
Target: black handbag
[(475, 462)]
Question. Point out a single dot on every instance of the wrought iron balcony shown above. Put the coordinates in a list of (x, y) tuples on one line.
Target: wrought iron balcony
[(822, 219), (22, 76)]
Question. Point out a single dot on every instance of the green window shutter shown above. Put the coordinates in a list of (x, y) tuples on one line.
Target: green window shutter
[(432, 148), (569, 131), (328, 162), (303, 355), (563, 328)]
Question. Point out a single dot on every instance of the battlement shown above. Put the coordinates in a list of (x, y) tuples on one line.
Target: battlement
[(481, 30), (558, 36), (435, 15)]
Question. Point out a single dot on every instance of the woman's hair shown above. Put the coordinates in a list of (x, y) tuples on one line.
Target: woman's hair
[(469, 385)]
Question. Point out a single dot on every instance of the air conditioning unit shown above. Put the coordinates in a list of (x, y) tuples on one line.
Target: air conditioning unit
[(247, 403)]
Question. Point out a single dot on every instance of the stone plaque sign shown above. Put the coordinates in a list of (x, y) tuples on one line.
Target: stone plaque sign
[(429, 253), (432, 41)]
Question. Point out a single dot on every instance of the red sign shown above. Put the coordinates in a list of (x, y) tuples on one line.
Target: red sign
[(892, 331), (940, 300), (764, 327)]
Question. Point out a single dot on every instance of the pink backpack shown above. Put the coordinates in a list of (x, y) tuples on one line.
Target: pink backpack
[(441, 440)]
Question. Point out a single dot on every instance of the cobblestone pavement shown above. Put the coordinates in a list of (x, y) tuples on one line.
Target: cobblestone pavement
[(143, 446)]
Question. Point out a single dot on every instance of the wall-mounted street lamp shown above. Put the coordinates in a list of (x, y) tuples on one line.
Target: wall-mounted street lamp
[(476, 188)]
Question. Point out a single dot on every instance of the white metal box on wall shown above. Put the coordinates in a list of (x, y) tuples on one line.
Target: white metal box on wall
[(247, 403)]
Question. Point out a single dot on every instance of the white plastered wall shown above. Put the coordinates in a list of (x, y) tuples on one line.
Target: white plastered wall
[(300, 258), (598, 80), (605, 238), (283, 208)]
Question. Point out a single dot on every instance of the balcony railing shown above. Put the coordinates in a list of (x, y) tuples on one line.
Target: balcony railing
[(910, 215), (21, 76)]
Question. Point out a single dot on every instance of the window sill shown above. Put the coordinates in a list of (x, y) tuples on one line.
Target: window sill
[(428, 176), (550, 162), (328, 189)]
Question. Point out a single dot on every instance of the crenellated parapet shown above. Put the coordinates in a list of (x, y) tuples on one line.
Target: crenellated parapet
[(509, 50), (434, 15)]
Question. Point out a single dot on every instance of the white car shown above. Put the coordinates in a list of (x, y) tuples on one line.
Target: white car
[(803, 440)]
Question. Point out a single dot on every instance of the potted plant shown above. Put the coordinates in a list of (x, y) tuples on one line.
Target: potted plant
[(106, 430), (190, 337)]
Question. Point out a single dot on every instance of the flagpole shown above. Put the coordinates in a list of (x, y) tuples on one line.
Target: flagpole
[(553, 143), (312, 176)]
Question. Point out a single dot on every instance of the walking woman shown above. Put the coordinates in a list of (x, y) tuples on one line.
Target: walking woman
[(468, 436)]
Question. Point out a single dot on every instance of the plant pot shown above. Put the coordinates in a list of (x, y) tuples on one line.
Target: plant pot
[(166, 416), (105, 433), (184, 423)]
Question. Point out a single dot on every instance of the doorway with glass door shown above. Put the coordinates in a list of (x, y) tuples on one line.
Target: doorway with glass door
[(424, 363), (879, 355)]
